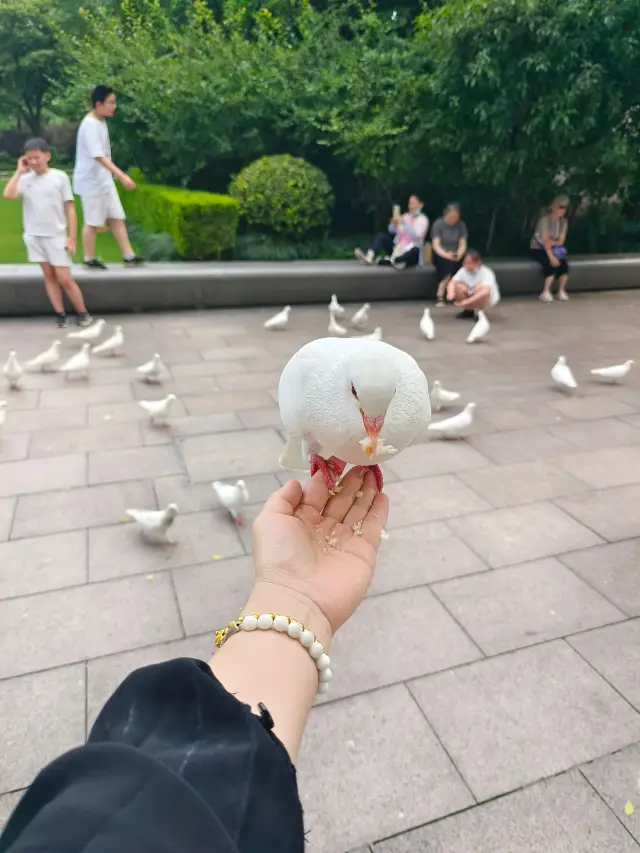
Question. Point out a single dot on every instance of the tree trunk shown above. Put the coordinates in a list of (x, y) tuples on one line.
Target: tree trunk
[(492, 228)]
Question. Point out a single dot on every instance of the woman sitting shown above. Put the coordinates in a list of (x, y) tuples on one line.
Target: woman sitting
[(403, 244), (449, 237), (548, 248)]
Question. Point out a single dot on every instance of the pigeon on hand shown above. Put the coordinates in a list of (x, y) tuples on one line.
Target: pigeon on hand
[(91, 333), (614, 373), (426, 325), (13, 371), (480, 329), (279, 320), (154, 523), (457, 426), (78, 364), (356, 400), (158, 410), (46, 360), (3, 412), (563, 376), (376, 335), (335, 328), (152, 371), (440, 397), (361, 317), (335, 309), (232, 497), (112, 345)]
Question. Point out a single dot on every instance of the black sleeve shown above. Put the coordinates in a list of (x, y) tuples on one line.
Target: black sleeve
[(173, 763)]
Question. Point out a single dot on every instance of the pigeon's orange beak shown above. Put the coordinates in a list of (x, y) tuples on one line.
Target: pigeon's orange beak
[(373, 427)]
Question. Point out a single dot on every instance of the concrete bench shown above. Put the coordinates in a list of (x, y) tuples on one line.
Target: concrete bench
[(173, 286)]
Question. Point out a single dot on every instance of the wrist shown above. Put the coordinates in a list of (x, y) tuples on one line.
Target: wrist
[(266, 597)]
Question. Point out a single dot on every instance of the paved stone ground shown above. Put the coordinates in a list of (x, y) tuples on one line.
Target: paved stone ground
[(495, 705)]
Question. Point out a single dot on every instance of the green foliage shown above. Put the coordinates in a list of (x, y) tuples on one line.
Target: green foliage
[(201, 225), (262, 247), (284, 195)]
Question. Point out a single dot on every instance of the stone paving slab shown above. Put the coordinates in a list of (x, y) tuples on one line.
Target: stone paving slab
[(501, 646)]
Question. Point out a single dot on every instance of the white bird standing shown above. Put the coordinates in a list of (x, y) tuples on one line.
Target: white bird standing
[(334, 307), (457, 426), (440, 397), (13, 371), (562, 375), (357, 400), (158, 410), (615, 372), (47, 359), (480, 329), (3, 412), (376, 335), (78, 364), (426, 325), (91, 333), (361, 317), (154, 524), (232, 497), (152, 371), (112, 345), (279, 320), (335, 328)]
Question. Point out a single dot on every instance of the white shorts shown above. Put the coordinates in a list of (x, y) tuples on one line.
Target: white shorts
[(48, 250), (98, 209)]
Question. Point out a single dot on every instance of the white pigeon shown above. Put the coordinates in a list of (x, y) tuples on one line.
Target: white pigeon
[(91, 333), (358, 400), (440, 397), (279, 320), (480, 329), (361, 317), (335, 328), (112, 344), (158, 410), (154, 523), (376, 335), (3, 412), (13, 371), (457, 426), (152, 371), (47, 359), (426, 325), (562, 375), (78, 364), (614, 373), (335, 308), (232, 497)]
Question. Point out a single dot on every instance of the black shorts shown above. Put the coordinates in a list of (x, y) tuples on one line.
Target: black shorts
[(445, 268), (541, 257)]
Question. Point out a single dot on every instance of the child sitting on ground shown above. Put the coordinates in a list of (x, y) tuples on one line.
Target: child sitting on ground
[(50, 226)]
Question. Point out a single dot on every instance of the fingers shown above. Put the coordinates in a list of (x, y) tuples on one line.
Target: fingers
[(315, 492), (337, 507), (285, 500), (376, 520), (361, 505)]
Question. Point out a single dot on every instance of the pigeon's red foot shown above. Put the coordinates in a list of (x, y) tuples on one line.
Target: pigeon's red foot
[(378, 475), (239, 521), (317, 463)]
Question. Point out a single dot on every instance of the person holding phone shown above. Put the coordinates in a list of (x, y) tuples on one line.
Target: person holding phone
[(403, 244), (50, 226)]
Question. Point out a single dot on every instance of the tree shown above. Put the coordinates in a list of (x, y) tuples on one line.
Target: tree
[(32, 59)]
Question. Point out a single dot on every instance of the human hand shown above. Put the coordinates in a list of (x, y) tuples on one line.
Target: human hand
[(127, 182), (70, 245), (553, 260), (22, 166), (304, 546)]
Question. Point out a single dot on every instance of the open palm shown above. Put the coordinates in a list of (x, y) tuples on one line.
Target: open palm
[(319, 546)]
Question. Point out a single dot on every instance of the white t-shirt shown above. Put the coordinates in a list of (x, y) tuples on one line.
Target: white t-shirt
[(43, 199), (90, 177), (482, 277)]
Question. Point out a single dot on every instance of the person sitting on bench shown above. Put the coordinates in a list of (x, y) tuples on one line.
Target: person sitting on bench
[(403, 245)]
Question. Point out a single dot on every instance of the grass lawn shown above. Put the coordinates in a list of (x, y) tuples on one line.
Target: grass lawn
[(12, 248)]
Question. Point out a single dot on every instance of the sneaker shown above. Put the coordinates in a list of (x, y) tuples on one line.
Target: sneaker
[(545, 297), (385, 262), (439, 302), (363, 257), (467, 314), (563, 296), (94, 264), (83, 320), (62, 321), (399, 265), (135, 261)]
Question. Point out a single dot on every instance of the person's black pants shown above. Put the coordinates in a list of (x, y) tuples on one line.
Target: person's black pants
[(548, 270), (382, 244)]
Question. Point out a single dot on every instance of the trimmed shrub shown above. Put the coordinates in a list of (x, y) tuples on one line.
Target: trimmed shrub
[(201, 225), (284, 195)]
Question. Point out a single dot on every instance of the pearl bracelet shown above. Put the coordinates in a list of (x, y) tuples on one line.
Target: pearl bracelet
[(283, 624)]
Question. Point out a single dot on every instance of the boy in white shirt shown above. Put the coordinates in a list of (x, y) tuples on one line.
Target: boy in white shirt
[(474, 287), (50, 225), (93, 181)]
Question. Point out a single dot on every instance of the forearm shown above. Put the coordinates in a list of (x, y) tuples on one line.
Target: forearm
[(436, 246), (110, 166), (11, 189), (72, 220), (272, 668), (462, 247)]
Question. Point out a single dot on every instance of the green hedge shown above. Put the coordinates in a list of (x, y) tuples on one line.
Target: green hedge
[(201, 224)]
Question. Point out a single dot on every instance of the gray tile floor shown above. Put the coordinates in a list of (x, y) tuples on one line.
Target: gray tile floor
[(496, 705)]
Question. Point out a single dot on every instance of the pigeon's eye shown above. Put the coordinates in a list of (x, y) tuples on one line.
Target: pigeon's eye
[(353, 391)]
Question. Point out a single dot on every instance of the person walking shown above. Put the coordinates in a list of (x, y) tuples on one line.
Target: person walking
[(548, 248), (93, 181)]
